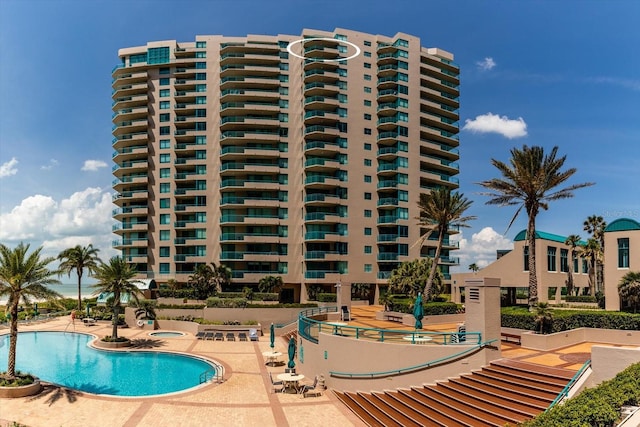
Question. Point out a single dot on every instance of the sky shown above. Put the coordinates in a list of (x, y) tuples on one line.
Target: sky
[(548, 73)]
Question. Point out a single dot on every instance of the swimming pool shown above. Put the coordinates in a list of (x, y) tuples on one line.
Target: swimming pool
[(65, 358), (166, 334)]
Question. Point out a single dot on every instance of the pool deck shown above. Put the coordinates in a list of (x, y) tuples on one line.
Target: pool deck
[(244, 398)]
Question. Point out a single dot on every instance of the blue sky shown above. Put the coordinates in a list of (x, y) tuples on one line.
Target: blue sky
[(548, 73)]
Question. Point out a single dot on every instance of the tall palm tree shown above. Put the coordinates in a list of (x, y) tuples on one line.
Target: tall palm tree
[(543, 317), (592, 253), (79, 258), (270, 284), (573, 241), (595, 225), (116, 277), (629, 288), (474, 267), (441, 209), (23, 277), (221, 276), (531, 181)]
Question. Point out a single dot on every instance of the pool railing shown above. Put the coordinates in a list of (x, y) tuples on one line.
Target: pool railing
[(216, 372)]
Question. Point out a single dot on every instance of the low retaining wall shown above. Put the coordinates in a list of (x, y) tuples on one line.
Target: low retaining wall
[(607, 362), (409, 320), (21, 391), (575, 336)]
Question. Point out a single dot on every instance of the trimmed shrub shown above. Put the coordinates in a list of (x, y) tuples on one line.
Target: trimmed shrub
[(182, 306), (230, 295), (226, 302), (581, 298), (266, 296), (178, 293), (325, 297), (564, 320), (405, 305)]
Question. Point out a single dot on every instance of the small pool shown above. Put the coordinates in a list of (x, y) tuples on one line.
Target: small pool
[(65, 358), (166, 334)]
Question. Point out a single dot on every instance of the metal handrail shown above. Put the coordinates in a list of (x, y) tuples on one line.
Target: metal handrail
[(411, 368), (565, 391), (216, 372)]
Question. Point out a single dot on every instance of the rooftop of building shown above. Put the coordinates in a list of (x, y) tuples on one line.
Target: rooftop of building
[(623, 224)]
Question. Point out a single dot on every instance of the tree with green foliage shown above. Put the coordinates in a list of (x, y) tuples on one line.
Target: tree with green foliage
[(313, 291), (474, 267), (23, 277), (209, 279), (595, 226), (411, 277), (591, 252), (629, 289), (530, 181), (440, 211), (573, 241), (543, 317), (145, 309), (79, 258), (117, 278), (361, 290), (270, 284)]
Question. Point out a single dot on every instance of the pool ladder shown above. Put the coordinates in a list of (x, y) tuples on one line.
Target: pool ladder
[(215, 372)]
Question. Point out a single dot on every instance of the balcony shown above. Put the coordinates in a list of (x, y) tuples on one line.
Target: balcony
[(388, 219)]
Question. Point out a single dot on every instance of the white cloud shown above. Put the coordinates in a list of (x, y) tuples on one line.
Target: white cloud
[(93, 165), (9, 168), (487, 64), (481, 249), (52, 163), (495, 123), (82, 218)]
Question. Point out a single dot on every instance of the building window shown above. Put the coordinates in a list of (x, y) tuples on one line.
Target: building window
[(367, 54), (201, 45), (165, 251), (575, 265), (165, 130), (526, 258), (585, 266), (367, 76), (165, 70), (367, 196), (368, 249), (368, 268), (165, 203), (201, 54), (164, 81), (367, 116), (564, 260), (367, 146), (367, 131), (165, 187), (165, 105), (165, 172), (367, 103), (158, 55), (164, 93), (164, 268), (367, 162), (165, 117), (165, 219), (367, 65), (623, 252), (367, 213), (164, 235), (367, 89), (367, 178), (551, 258), (367, 43), (367, 231), (165, 143), (165, 158)]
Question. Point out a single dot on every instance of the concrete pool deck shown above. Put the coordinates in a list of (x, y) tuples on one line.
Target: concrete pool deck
[(244, 398)]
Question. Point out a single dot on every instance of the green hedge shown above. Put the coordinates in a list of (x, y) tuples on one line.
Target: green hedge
[(581, 298), (230, 294), (325, 297), (280, 305), (182, 306), (226, 302), (598, 406), (405, 305), (564, 320), (178, 293), (266, 296)]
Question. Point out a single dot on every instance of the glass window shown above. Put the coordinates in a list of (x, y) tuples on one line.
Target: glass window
[(165, 219), (367, 116), (165, 234), (367, 65), (367, 213), (367, 162), (201, 76), (201, 54), (564, 260), (367, 103), (165, 203), (165, 158), (165, 117), (367, 146), (367, 76), (201, 45), (551, 258), (165, 70), (367, 54), (164, 268), (367, 196), (165, 105), (368, 268), (158, 55), (164, 93), (165, 172), (136, 59), (164, 81), (165, 251), (368, 249), (165, 143), (367, 231), (526, 259), (367, 131), (165, 130), (201, 65), (165, 187), (575, 265), (623, 252), (585, 266), (367, 43), (367, 89)]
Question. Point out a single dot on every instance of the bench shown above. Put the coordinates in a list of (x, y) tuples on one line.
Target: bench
[(507, 337), (88, 321), (394, 317)]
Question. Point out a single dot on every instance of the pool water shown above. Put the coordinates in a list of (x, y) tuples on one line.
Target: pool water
[(65, 358), (166, 334)]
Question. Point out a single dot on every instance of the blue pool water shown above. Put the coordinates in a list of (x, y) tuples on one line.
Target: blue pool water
[(64, 358)]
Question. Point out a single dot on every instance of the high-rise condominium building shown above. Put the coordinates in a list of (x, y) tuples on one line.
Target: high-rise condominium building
[(277, 155)]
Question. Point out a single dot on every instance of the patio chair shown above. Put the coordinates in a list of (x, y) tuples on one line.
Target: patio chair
[(242, 336), (200, 335), (208, 335), (253, 335), (218, 336), (345, 314), (231, 336), (306, 389), (276, 386)]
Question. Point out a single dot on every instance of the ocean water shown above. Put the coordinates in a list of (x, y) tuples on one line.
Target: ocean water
[(68, 290)]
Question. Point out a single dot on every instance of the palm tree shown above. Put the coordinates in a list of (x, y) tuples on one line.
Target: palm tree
[(592, 253), (629, 288), (23, 277), (202, 281), (116, 277), (531, 181), (410, 277), (474, 267), (270, 284), (595, 225), (145, 309), (573, 241), (221, 276), (441, 209), (79, 258), (543, 317)]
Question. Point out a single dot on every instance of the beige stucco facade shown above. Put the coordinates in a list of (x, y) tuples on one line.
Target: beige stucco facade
[(234, 150), (621, 256), (512, 271)]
